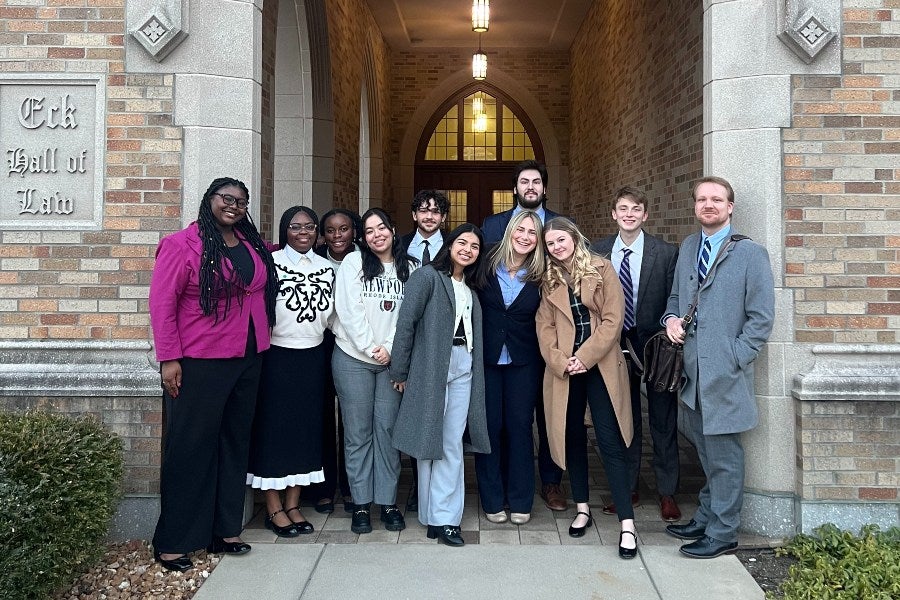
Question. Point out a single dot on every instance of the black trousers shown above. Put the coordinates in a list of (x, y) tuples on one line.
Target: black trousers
[(590, 389), (206, 445)]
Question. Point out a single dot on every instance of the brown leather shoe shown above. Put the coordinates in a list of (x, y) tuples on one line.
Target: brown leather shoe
[(668, 509), (553, 497), (610, 509)]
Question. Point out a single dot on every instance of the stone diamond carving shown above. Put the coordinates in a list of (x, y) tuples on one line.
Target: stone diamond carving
[(158, 34), (806, 35)]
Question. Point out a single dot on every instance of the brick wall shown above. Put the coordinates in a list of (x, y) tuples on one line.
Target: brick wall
[(351, 27), (848, 451), (637, 112), (842, 187), (267, 223), (416, 74), (93, 284)]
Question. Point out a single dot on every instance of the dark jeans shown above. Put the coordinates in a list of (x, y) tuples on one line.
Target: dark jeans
[(589, 389), (506, 475)]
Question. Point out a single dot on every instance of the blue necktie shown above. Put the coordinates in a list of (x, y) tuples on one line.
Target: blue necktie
[(625, 279), (703, 265)]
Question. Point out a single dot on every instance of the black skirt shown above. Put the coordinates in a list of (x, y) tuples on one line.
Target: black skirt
[(286, 448)]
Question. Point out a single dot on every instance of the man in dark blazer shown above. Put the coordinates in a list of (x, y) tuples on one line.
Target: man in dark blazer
[(735, 299), (649, 273), (429, 210), (529, 185)]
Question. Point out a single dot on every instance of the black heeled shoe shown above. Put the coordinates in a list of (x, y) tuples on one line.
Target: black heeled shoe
[(181, 564), (286, 531), (627, 552), (303, 527), (220, 546), (577, 532)]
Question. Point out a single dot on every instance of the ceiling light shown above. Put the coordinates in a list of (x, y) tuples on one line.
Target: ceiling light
[(480, 15)]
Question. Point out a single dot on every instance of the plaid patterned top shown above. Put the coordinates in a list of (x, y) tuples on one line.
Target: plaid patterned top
[(582, 317)]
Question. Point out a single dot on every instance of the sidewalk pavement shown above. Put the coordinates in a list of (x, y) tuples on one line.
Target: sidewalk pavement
[(536, 560)]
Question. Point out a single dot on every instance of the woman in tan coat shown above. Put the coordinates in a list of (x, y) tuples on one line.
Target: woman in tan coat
[(578, 324)]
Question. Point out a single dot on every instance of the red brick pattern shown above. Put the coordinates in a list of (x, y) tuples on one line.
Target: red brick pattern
[(637, 112), (842, 186)]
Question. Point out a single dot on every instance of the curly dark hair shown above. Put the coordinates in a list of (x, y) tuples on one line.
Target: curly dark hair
[(371, 264), (423, 196), (213, 286)]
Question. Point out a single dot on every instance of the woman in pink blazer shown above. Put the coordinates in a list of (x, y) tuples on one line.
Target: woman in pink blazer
[(212, 302)]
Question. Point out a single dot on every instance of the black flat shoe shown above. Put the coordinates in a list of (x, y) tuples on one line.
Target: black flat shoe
[(392, 518), (707, 547), (303, 527), (361, 522), (432, 532), (577, 532), (287, 531), (627, 552), (220, 546), (689, 531), (181, 564), (325, 508), (449, 535)]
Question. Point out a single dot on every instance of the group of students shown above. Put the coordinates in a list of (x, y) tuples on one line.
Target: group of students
[(430, 360)]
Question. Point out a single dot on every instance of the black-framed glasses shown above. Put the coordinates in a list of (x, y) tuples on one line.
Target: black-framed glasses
[(296, 227), (230, 200)]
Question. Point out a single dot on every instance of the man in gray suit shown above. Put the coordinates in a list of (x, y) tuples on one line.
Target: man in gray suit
[(646, 267), (735, 311)]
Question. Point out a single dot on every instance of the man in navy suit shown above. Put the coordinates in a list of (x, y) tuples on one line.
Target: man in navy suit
[(646, 265), (529, 185)]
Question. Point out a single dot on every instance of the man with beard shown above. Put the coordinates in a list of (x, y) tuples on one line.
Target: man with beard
[(429, 210), (529, 184)]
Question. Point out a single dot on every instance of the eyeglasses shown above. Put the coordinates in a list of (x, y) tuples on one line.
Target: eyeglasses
[(425, 211), (230, 200), (302, 227)]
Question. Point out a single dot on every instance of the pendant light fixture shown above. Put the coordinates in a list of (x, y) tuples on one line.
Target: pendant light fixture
[(481, 15), (479, 62)]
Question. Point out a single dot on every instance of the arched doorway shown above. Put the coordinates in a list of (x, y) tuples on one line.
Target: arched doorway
[(469, 149)]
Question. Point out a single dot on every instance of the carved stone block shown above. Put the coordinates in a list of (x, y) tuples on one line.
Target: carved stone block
[(806, 34), (159, 33)]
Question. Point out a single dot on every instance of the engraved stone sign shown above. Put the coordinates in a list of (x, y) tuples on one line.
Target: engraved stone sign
[(52, 132)]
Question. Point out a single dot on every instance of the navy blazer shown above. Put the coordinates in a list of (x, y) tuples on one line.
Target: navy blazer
[(657, 274), (495, 225), (513, 326)]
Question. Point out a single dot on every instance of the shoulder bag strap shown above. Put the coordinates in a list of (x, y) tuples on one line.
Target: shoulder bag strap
[(692, 308)]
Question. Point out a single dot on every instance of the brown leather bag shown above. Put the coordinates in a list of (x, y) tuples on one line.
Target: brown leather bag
[(663, 362)]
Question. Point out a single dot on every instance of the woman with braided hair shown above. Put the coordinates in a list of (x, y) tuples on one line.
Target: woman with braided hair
[(212, 303)]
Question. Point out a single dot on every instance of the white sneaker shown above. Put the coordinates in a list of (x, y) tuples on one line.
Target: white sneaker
[(520, 518), (497, 517)]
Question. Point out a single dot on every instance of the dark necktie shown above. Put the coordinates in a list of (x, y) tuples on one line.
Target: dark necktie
[(703, 264), (426, 255), (627, 288)]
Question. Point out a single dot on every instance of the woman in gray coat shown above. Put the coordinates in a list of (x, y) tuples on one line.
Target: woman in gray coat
[(437, 364)]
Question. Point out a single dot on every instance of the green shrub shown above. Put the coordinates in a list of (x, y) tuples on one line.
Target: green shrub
[(60, 482), (836, 565)]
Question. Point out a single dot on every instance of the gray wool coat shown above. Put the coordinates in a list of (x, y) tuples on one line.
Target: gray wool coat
[(421, 357), (735, 312)]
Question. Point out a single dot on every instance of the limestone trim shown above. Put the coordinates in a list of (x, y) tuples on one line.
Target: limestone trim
[(846, 372)]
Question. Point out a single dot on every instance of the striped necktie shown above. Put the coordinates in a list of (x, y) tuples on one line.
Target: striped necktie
[(703, 264), (627, 288)]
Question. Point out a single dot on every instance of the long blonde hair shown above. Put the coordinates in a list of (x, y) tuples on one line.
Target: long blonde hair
[(503, 254), (556, 274)]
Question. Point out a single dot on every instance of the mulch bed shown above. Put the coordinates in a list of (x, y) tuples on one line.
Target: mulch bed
[(766, 568)]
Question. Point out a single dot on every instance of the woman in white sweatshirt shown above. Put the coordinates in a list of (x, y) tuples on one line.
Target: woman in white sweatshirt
[(369, 290)]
